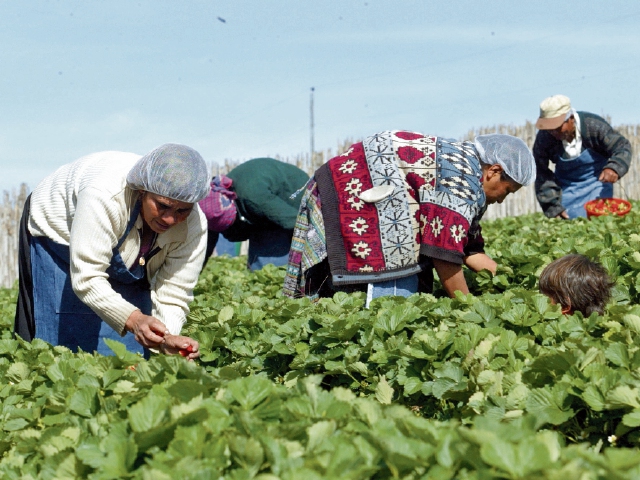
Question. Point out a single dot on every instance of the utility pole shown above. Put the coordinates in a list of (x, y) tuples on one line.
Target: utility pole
[(312, 139)]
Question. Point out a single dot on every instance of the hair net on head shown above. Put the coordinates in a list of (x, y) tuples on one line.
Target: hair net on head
[(173, 171), (511, 153)]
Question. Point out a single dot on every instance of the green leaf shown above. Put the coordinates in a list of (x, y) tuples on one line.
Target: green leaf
[(318, 432), (487, 313), (594, 398), (56, 444), (520, 315), (519, 459), (225, 315), (447, 453), (111, 376), (540, 302), (384, 392), (121, 352), (112, 456), (17, 372), (622, 459), (617, 354), (149, 412), (394, 320), (412, 385), (15, 424), (84, 402), (67, 467), (247, 452), (632, 321), (444, 387), (547, 405), (250, 391), (593, 354), (124, 386), (623, 396), (632, 419), (359, 367), (61, 371), (186, 390)]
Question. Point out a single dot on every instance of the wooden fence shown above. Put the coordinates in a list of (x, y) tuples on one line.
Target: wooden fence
[(10, 212), (521, 203)]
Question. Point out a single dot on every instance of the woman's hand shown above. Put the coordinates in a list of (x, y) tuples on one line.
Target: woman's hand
[(147, 330), (177, 344), (481, 261)]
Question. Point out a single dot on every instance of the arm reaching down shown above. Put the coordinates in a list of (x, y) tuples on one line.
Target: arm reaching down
[(451, 277)]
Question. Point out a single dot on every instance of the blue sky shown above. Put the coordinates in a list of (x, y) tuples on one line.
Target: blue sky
[(232, 78)]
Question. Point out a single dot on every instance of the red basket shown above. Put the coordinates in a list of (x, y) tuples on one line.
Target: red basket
[(607, 206)]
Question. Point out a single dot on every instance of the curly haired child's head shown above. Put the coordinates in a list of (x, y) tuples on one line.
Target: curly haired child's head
[(577, 283)]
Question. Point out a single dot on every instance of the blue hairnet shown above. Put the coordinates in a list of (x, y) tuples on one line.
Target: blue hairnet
[(511, 153), (173, 171)]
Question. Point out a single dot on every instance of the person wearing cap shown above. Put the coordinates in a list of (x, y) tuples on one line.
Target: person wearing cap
[(254, 202), (111, 247), (381, 216), (589, 157)]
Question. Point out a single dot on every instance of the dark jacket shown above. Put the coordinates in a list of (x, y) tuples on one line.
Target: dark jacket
[(597, 135), (264, 187)]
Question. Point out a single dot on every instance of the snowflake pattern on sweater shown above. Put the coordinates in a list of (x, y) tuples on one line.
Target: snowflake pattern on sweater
[(433, 208)]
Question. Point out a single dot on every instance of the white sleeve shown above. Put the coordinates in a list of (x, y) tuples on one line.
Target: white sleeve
[(94, 233)]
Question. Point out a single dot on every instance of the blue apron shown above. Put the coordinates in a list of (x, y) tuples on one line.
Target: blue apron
[(578, 178), (61, 318), (271, 245)]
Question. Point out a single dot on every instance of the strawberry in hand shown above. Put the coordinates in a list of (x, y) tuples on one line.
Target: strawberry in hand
[(178, 344)]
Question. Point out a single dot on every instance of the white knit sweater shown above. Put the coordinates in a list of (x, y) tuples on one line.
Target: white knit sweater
[(86, 205)]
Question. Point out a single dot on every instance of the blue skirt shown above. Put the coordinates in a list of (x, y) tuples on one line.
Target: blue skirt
[(61, 318)]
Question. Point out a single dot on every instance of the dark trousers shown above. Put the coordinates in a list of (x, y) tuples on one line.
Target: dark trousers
[(25, 325)]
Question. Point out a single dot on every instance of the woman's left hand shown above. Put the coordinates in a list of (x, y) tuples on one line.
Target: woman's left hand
[(481, 261), (180, 345)]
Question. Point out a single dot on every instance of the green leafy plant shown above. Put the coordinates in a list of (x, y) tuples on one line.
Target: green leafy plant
[(495, 384)]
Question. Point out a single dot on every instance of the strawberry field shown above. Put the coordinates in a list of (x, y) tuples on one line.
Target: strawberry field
[(497, 384)]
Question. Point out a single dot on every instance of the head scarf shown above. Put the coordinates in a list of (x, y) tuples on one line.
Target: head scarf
[(173, 171), (511, 153), (219, 206)]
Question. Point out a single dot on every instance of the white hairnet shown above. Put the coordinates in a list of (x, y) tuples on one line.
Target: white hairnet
[(511, 153), (173, 171)]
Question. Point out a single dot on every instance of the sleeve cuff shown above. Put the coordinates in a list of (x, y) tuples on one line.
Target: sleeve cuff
[(613, 165), (174, 321), (442, 254), (554, 211)]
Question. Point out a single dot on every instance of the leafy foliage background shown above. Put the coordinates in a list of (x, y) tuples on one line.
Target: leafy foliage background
[(497, 384)]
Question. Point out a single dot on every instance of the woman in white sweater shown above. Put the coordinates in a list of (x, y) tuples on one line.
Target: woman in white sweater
[(111, 246)]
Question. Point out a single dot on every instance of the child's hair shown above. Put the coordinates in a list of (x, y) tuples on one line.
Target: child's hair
[(577, 283)]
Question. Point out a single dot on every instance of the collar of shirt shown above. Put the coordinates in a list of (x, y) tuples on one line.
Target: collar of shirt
[(574, 148)]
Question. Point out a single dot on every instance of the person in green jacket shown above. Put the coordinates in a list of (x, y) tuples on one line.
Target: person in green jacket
[(254, 202)]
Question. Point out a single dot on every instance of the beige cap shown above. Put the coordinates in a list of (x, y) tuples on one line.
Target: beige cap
[(553, 112)]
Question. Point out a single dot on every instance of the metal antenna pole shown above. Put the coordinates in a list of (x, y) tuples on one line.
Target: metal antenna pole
[(312, 139)]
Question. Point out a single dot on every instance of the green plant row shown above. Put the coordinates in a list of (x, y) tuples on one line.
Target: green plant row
[(500, 354), (498, 384), (67, 415)]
